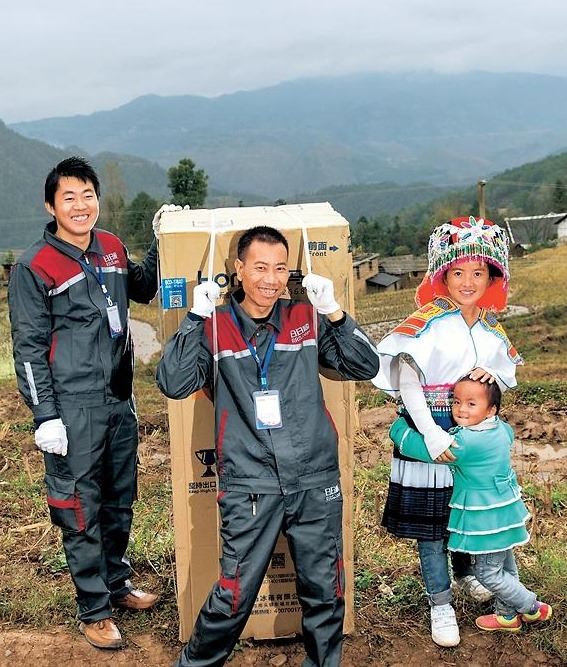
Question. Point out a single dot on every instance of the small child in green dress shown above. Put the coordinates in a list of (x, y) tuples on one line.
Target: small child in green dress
[(488, 515)]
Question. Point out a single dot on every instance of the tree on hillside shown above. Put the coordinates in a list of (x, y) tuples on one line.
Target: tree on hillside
[(187, 184), (374, 234), (113, 204), (401, 250), (138, 217)]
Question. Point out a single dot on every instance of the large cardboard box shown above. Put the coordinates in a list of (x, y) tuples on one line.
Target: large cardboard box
[(194, 245)]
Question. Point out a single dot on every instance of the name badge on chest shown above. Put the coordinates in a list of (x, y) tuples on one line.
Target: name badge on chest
[(114, 323), (267, 409)]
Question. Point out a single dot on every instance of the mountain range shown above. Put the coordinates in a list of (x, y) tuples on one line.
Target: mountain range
[(24, 164), (301, 136)]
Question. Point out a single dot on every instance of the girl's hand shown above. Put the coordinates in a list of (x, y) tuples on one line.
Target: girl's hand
[(482, 375), (447, 456)]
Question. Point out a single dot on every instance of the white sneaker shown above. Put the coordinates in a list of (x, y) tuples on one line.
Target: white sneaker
[(444, 628), (473, 588)]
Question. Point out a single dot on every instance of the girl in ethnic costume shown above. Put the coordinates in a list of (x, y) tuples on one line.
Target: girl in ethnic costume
[(453, 333), (488, 515)]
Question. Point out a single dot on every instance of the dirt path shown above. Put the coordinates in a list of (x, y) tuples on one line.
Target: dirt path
[(410, 648), (146, 343)]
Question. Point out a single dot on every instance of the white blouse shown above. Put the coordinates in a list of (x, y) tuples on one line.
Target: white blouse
[(444, 351)]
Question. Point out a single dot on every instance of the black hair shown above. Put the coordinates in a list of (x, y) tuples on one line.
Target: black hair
[(493, 393), (260, 233), (73, 167), (494, 271)]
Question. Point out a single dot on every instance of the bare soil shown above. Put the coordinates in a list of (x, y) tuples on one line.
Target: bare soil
[(63, 648), (541, 450)]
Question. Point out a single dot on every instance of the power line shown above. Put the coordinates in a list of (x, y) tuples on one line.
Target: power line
[(561, 186)]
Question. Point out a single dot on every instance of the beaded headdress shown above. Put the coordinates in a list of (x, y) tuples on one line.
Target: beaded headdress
[(469, 239)]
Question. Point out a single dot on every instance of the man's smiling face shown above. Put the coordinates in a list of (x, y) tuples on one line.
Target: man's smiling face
[(75, 210), (263, 273)]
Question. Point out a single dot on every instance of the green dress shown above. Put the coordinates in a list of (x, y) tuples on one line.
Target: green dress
[(487, 511)]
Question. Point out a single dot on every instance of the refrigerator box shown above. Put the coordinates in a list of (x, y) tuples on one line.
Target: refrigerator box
[(195, 245)]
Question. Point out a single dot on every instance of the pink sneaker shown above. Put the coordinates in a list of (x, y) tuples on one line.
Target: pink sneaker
[(543, 613), (494, 623)]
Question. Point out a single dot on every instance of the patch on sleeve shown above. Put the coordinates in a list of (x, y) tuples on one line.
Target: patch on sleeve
[(490, 323)]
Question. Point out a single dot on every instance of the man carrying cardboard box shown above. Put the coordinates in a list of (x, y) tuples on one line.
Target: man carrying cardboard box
[(276, 445)]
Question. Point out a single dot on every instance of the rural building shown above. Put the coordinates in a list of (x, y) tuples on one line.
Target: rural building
[(383, 281), (533, 229), (562, 229), (373, 272), (363, 266)]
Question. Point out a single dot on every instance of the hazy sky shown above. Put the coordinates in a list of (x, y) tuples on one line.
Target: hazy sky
[(68, 58)]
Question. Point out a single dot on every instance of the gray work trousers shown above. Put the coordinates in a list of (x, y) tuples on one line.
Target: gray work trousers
[(312, 523), (90, 492)]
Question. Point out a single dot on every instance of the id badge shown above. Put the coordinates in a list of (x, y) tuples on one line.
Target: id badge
[(267, 409), (114, 323)]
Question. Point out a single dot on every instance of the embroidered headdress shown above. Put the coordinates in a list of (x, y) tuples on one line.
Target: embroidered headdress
[(469, 239)]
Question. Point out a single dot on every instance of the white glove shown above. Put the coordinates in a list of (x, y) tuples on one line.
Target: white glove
[(321, 293), (166, 208), (51, 437), (204, 297)]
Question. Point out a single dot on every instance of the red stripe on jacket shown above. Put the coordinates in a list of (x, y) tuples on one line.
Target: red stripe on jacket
[(53, 267), (296, 326), (52, 349), (113, 253), (229, 336), (340, 569)]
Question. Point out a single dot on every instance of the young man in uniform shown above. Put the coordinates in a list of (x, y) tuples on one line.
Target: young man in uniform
[(68, 298), (276, 445)]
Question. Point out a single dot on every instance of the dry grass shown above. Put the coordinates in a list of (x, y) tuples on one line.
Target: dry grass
[(146, 313), (540, 278), (385, 306), (6, 364)]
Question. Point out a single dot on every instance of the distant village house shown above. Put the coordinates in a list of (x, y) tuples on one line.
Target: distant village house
[(529, 230), (374, 273)]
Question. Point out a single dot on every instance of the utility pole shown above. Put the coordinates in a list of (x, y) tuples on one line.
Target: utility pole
[(480, 198)]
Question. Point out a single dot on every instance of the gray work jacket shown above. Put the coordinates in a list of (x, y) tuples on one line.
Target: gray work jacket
[(303, 453), (63, 349)]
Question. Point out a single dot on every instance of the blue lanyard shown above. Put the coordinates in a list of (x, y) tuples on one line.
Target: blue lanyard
[(98, 275), (262, 366)]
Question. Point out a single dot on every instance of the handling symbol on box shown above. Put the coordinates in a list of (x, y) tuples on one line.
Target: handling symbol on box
[(207, 457)]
